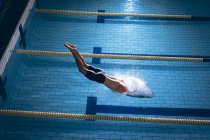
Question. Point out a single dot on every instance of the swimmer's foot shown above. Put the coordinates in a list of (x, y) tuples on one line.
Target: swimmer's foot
[(70, 46)]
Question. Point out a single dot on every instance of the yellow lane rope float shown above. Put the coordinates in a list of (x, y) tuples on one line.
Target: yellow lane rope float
[(95, 117), (114, 56), (67, 12)]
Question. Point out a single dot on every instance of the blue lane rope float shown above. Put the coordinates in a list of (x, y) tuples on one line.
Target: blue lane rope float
[(115, 56), (97, 117), (109, 14)]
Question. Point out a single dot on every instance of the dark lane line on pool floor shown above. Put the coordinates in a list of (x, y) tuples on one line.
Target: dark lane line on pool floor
[(92, 109)]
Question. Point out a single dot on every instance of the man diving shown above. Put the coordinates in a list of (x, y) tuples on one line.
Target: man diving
[(96, 74)]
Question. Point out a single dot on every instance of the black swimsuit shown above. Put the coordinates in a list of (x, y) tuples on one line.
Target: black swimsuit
[(95, 74)]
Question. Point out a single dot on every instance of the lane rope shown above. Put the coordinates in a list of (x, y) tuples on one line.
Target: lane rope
[(68, 12), (96, 117), (112, 56)]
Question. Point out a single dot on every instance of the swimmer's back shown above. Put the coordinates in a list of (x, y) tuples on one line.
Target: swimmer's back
[(115, 85)]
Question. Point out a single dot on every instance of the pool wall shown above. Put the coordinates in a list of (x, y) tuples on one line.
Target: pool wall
[(11, 65)]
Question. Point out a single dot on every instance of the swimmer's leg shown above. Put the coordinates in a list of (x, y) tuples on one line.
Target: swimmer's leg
[(83, 67), (96, 70), (76, 53), (80, 62)]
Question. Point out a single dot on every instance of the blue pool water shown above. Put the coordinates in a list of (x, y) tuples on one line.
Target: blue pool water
[(43, 83)]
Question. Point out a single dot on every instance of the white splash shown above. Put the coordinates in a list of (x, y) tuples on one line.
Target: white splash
[(136, 87)]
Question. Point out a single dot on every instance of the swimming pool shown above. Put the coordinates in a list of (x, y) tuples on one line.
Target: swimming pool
[(53, 83)]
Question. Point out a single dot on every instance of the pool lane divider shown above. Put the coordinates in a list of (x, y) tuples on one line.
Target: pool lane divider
[(118, 56), (22, 36), (101, 19), (204, 58), (193, 18), (134, 16), (92, 108), (98, 50), (60, 115)]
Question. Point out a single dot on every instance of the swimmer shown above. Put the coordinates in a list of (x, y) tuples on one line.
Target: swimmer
[(96, 74)]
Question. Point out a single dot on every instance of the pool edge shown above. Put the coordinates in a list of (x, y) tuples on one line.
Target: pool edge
[(13, 40)]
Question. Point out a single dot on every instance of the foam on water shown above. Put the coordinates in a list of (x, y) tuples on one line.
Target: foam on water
[(136, 87)]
